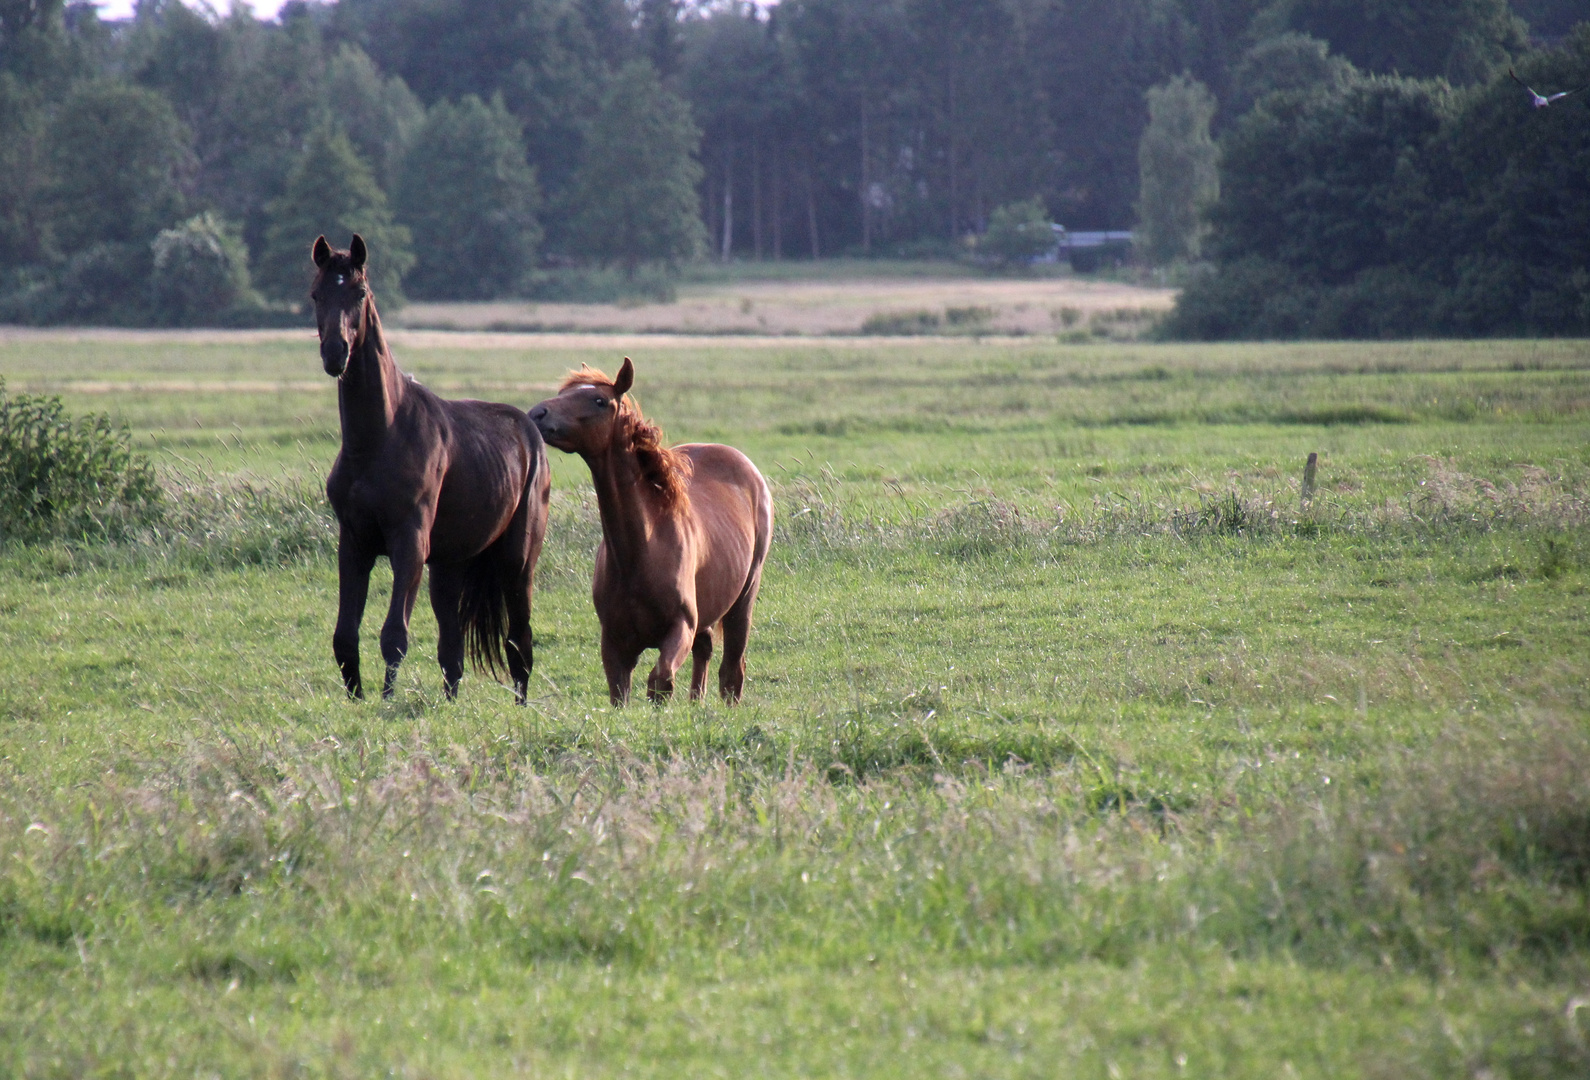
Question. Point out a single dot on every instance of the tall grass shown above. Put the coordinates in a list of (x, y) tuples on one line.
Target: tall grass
[(201, 523), (1475, 859), (815, 515)]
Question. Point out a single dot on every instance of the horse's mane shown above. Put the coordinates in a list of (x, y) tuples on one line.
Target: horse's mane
[(664, 469)]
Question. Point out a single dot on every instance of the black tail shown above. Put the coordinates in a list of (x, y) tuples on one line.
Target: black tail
[(483, 613)]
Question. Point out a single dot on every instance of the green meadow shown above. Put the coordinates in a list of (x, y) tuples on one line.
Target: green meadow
[(1078, 739)]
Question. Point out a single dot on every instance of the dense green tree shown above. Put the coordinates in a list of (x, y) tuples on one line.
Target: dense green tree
[(1508, 234), (657, 22), (635, 192), (546, 58), (332, 192), (1551, 20), (1460, 40), (272, 96), (737, 83), (1095, 59), (980, 106), (1179, 169), (22, 178), (117, 158), (251, 92), (471, 201), (1289, 61), (849, 124), (1317, 181), (38, 47), (1219, 33), (379, 112)]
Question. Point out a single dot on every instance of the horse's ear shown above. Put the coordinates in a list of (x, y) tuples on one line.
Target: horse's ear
[(626, 379), (321, 252), (356, 252)]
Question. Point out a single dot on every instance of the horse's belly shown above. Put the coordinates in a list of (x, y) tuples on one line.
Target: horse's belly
[(467, 522)]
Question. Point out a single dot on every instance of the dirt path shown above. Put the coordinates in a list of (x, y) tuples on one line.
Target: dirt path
[(755, 313), (825, 308)]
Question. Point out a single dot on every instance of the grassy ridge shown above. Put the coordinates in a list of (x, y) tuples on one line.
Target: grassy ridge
[(1073, 742)]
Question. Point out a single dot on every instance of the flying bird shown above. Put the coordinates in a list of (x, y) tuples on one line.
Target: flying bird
[(1539, 101)]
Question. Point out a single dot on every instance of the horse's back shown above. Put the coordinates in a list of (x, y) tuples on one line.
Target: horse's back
[(724, 479), (493, 456)]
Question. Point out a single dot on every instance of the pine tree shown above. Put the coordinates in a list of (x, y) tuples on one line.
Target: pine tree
[(331, 192)]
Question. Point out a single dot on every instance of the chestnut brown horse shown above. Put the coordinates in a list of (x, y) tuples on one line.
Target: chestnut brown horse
[(459, 485), (685, 532)]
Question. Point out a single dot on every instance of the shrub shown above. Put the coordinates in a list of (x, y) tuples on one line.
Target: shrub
[(61, 476), (200, 272), (896, 323), (1018, 233)]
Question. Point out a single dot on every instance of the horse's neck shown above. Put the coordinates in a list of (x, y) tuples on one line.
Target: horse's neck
[(627, 516), (371, 389)]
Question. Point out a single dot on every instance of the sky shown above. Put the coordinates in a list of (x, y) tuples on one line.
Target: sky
[(264, 9), (122, 9)]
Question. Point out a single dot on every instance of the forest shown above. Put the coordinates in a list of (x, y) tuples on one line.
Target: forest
[(1293, 161)]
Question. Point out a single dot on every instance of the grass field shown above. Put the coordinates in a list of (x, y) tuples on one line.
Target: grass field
[(1075, 742)]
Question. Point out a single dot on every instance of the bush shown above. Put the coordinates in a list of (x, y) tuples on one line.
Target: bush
[(1258, 299), (68, 477), (897, 323), (200, 273), (1018, 233)]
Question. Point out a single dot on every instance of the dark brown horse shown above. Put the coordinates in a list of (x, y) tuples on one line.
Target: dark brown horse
[(460, 485), (685, 532)]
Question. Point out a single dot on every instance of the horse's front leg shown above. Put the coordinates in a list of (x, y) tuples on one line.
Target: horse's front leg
[(353, 587), (447, 585), (407, 555), (670, 655), (618, 663)]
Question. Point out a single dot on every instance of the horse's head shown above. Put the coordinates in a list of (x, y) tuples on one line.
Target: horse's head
[(582, 417), (341, 294)]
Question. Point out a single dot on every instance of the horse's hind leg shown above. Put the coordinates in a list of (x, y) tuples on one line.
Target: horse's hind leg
[(353, 588), (736, 637), (447, 585), (522, 547), (700, 657), (521, 650)]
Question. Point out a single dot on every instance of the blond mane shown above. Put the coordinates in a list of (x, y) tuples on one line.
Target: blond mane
[(665, 470)]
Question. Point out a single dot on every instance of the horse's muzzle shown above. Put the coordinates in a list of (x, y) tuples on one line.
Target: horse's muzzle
[(541, 416), (334, 356)]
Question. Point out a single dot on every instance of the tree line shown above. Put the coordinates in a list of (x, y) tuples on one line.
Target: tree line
[(1363, 205), (173, 167)]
